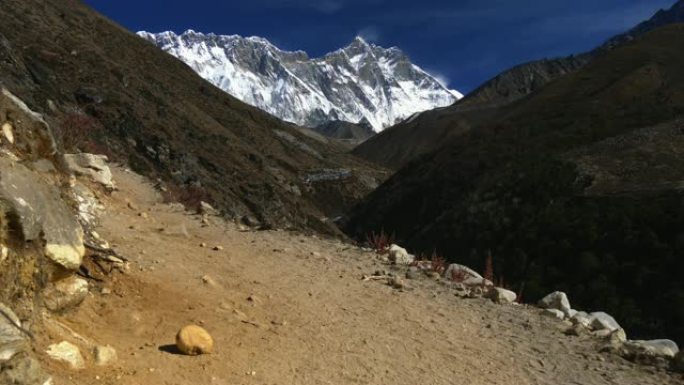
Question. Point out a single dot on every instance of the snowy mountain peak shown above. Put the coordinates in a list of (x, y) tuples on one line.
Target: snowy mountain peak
[(360, 82)]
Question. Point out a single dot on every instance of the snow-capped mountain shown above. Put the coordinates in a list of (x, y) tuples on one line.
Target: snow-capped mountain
[(361, 82)]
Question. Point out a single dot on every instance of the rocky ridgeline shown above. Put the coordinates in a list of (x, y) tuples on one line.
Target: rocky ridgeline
[(47, 216), (467, 283)]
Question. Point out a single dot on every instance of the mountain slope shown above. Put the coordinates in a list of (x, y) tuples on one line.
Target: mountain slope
[(154, 113), (431, 129), (297, 284), (563, 189), (360, 81)]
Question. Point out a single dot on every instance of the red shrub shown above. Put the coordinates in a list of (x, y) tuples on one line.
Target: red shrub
[(380, 242), (459, 275), (438, 263), (189, 195), (75, 130)]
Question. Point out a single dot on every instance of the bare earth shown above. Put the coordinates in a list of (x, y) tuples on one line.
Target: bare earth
[(285, 308)]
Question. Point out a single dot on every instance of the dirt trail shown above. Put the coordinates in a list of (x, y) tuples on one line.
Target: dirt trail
[(290, 309)]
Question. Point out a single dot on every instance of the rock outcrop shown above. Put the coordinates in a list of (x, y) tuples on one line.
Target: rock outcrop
[(41, 235)]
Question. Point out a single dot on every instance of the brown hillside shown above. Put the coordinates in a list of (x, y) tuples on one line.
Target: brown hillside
[(165, 121)]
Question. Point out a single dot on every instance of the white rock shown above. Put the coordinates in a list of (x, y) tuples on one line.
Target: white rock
[(554, 313), (454, 268), (8, 132), (68, 353), (657, 348), (65, 293), (398, 255), (500, 295), (92, 166), (12, 339), (601, 320), (207, 209), (104, 355), (556, 300), (69, 256)]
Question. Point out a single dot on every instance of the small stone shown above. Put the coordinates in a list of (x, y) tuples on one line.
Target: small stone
[(68, 353), (106, 291), (399, 256), (132, 206), (202, 244), (206, 209), (397, 282), (434, 275), (412, 273), (581, 318), (143, 215), (218, 248), (194, 340), (576, 330), (250, 221), (7, 131), (207, 280), (104, 355)]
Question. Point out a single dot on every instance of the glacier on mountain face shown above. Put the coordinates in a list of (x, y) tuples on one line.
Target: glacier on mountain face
[(361, 82)]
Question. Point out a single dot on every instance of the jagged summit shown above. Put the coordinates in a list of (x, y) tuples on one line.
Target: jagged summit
[(357, 82)]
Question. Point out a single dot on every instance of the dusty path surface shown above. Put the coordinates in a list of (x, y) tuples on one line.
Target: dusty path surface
[(285, 308)]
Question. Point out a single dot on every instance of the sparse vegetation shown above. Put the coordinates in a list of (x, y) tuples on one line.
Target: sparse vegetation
[(189, 196), (75, 131), (380, 242), (438, 264)]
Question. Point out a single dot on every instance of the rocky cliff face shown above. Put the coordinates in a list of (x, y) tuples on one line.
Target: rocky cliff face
[(359, 82)]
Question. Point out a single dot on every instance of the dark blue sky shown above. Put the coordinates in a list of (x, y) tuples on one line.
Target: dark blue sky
[(463, 41)]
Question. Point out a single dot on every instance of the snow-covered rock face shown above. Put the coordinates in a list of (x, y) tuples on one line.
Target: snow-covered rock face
[(356, 83)]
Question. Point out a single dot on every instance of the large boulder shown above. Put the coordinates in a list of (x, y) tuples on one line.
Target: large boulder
[(556, 300), (41, 212), (104, 355), (12, 339), (92, 166)]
